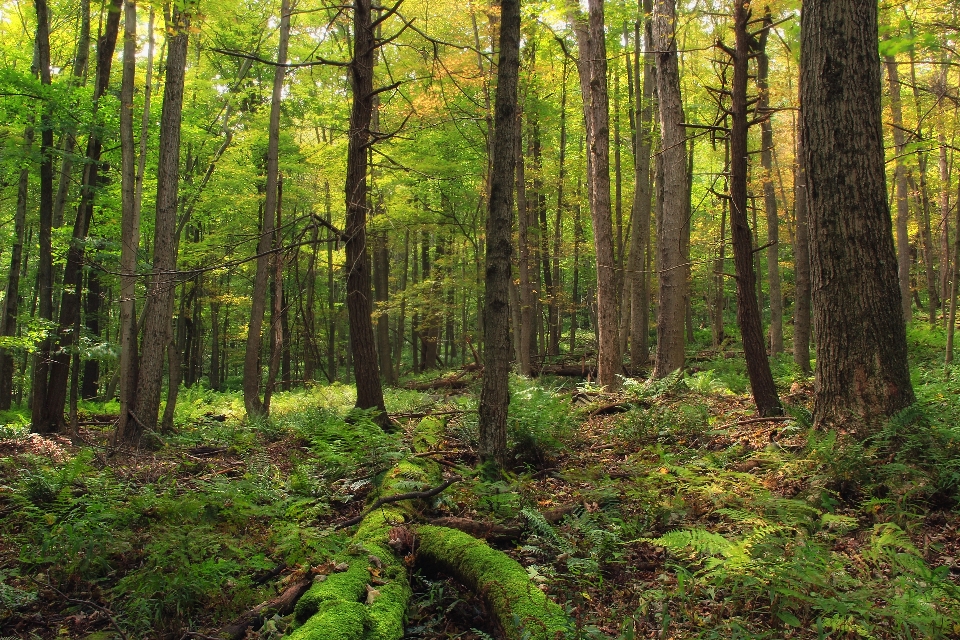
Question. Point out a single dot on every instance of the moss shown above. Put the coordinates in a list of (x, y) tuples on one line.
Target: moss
[(522, 610), (335, 620), (429, 434), (387, 612), (347, 586)]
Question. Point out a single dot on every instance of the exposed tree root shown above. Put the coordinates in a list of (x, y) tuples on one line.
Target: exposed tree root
[(282, 604)]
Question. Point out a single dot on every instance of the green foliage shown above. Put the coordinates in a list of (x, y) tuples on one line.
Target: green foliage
[(538, 423)]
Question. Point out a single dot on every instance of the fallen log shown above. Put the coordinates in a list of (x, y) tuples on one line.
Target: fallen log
[(479, 529), (520, 608), (283, 604), (567, 370), (439, 383)]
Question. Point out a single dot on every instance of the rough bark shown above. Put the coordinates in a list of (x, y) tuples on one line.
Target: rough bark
[(495, 393), (672, 271), (748, 311), (359, 294), (251, 361), (862, 374), (157, 323)]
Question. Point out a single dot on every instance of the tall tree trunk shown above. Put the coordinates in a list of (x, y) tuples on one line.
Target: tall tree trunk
[(945, 262), (130, 219), (554, 311), (56, 393), (952, 322), (748, 311), (801, 250), (11, 301), (671, 195), (91, 313), (592, 67), (862, 374), (40, 412), (900, 178), (251, 362), (495, 393), (401, 320), (769, 192), (523, 260), (926, 237), (70, 134), (721, 294), (157, 323), (362, 340)]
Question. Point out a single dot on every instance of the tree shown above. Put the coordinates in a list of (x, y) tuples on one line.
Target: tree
[(157, 323), (265, 259), (672, 195), (592, 67), (359, 291), (748, 311), (862, 374), (495, 394)]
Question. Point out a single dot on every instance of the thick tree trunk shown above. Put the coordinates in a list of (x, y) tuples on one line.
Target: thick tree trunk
[(359, 299), (748, 312), (672, 191), (495, 393), (592, 67), (251, 361), (70, 134), (862, 374), (157, 329)]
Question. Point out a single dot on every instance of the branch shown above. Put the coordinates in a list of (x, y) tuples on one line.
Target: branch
[(412, 495), (102, 610), (286, 65)]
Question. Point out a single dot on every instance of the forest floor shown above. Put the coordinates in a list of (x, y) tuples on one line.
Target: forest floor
[(666, 511)]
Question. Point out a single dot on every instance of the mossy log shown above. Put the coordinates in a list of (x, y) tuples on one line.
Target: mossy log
[(368, 599), (521, 609)]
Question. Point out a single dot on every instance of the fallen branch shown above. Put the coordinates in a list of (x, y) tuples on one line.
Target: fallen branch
[(282, 604), (478, 529), (411, 495), (416, 416)]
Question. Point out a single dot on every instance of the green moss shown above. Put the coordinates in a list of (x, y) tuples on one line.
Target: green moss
[(388, 610), (347, 586), (429, 434), (522, 610), (335, 620)]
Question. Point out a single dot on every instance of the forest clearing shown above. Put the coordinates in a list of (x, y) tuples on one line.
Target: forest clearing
[(534, 321)]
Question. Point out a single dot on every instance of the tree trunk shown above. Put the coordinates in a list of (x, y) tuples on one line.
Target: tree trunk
[(59, 367), (91, 312), (130, 220), (11, 301), (769, 192), (70, 134), (671, 195), (900, 178), (523, 259), (40, 412), (359, 306), (748, 311), (862, 374), (157, 329), (801, 311), (592, 67), (495, 393), (251, 362)]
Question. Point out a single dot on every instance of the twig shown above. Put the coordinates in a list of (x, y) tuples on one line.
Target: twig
[(427, 454), (102, 610), (414, 416), (412, 495)]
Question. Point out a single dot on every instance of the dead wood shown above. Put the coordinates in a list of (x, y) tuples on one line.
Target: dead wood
[(411, 495), (490, 531), (282, 604)]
